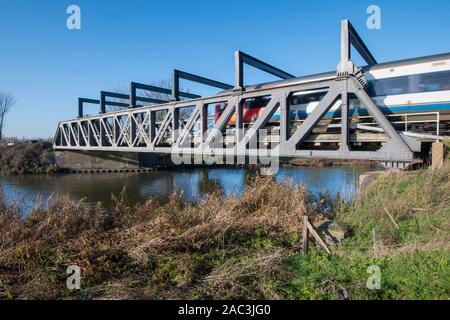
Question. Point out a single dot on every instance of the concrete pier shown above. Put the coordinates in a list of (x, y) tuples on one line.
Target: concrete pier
[(437, 155)]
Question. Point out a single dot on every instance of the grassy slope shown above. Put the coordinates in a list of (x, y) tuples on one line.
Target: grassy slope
[(414, 258), (234, 248)]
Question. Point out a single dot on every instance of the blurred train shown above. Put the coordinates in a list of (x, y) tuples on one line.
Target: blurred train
[(420, 86)]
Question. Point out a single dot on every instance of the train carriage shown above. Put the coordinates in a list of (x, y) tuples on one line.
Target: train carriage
[(417, 87)]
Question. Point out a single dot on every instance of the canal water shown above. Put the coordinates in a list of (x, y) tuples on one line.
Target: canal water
[(192, 184)]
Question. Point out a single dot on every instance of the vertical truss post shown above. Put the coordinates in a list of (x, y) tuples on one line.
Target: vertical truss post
[(176, 123), (177, 75), (152, 125), (350, 37), (284, 121), (345, 118), (133, 127), (238, 71), (102, 132), (203, 120), (80, 108), (239, 119), (102, 102), (345, 42), (241, 58), (81, 102), (133, 101), (176, 85)]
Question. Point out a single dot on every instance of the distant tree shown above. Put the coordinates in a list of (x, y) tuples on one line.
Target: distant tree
[(7, 101)]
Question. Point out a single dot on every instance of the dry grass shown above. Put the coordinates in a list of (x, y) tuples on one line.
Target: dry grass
[(27, 158), (220, 248)]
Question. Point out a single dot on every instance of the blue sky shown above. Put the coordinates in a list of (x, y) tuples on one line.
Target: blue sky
[(46, 66)]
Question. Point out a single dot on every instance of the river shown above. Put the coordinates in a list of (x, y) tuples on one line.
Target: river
[(191, 183)]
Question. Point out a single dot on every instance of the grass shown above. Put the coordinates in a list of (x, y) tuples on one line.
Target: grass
[(414, 258), (233, 248)]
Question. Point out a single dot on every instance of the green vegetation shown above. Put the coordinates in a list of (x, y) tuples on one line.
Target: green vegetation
[(234, 248), (409, 215)]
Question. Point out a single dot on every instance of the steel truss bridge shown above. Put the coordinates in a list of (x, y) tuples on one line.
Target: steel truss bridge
[(162, 126)]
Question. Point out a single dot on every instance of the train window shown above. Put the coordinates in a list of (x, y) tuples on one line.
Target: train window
[(258, 102), (391, 86), (308, 98), (428, 82), (435, 81)]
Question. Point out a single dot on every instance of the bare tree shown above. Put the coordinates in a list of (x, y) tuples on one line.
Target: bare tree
[(7, 100)]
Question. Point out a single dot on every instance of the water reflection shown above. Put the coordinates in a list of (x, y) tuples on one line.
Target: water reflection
[(192, 184)]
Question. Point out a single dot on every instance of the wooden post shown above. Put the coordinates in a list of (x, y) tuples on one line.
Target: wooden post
[(305, 234), (317, 237), (308, 229)]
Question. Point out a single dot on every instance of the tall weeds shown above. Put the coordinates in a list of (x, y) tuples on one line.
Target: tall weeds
[(220, 248)]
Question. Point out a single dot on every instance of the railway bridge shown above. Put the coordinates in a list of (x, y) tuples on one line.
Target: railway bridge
[(191, 125)]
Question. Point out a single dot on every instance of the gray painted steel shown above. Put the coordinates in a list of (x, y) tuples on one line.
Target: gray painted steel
[(137, 129)]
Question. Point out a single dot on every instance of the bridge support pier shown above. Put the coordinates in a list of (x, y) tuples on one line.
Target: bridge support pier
[(437, 154)]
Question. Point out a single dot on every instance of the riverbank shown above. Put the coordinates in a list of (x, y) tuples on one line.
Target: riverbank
[(235, 248), (39, 158), (27, 158), (320, 163)]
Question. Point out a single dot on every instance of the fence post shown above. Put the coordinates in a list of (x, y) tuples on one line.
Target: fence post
[(305, 235)]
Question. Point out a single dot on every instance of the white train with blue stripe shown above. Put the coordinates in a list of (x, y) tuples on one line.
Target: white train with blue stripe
[(418, 86)]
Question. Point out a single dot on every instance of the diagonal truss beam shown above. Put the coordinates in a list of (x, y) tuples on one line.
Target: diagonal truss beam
[(313, 119), (163, 128), (189, 125), (222, 122), (262, 120)]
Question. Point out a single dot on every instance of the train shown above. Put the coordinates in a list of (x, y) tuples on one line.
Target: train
[(414, 86)]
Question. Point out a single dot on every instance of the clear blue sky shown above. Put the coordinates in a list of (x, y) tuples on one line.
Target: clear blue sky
[(46, 66)]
